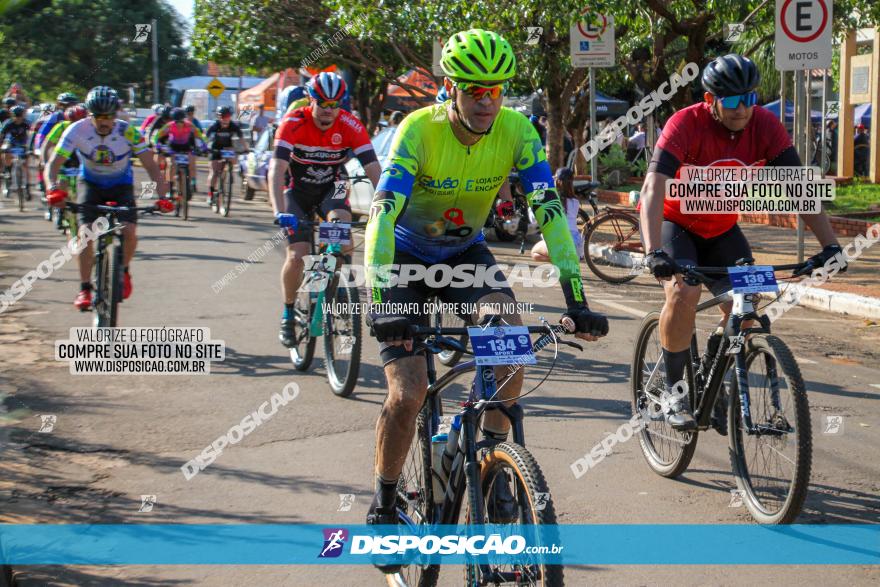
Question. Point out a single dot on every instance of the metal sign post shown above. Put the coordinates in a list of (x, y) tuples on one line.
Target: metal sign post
[(800, 145), (594, 132)]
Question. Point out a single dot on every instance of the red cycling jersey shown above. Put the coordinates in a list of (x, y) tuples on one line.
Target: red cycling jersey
[(695, 138), (315, 155)]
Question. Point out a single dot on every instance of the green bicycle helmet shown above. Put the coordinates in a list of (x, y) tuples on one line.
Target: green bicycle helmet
[(476, 55)]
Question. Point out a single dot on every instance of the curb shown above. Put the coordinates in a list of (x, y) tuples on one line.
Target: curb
[(837, 302)]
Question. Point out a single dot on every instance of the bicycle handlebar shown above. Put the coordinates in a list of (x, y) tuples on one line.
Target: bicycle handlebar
[(699, 273), (76, 207)]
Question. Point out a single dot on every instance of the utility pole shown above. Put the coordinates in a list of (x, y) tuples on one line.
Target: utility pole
[(154, 29)]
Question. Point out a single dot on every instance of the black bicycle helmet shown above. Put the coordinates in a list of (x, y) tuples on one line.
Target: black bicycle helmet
[(731, 75), (17, 111), (563, 173), (189, 108), (67, 98), (9, 102), (178, 114), (223, 111), (102, 100)]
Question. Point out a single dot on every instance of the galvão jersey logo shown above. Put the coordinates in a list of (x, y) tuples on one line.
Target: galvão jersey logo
[(334, 539), (426, 181)]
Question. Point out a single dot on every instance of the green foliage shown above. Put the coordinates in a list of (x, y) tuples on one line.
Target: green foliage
[(614, 169), (72, 45)]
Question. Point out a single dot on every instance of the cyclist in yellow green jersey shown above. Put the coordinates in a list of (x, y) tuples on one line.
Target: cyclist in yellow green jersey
[(446, 165)]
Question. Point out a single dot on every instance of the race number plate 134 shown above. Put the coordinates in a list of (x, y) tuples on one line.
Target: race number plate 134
[(501, 345), (749, 279)]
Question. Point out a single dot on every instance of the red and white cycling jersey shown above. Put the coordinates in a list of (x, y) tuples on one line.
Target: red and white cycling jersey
[(315, 156), (695, 138)]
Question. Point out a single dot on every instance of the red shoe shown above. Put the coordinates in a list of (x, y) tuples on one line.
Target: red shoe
[(83, 300), (126, 286)]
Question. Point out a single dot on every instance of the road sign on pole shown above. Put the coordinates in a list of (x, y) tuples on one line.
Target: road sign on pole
[(592, 41), (215, 87), (803, 34)]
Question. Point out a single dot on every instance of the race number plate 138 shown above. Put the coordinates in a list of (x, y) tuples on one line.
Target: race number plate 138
[(752, 279), (501, 345)]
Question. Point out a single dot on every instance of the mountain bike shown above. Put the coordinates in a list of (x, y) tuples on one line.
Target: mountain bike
[(183, 193), (434, 487), (222, 199), (320, 291), (65, 218), (612, 242), (15, 183), (109, 260), (768, 416)]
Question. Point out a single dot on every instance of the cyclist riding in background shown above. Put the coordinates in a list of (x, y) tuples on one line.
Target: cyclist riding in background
[(159, 121), (62, 103), (14, 134), (105, 146), (725, 129), (298, 98), (190, 111), (148, 121), (314, 142), (219, 136), (71, 115), (182, 137), (446, 165), (8, 104)]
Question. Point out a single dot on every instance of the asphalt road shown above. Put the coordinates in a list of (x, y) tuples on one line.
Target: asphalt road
[(116, 438)]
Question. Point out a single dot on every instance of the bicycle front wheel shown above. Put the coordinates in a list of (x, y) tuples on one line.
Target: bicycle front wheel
[(109, 284), (612, 246), (772, 462), (21, 189), (226, 198), (304, 351), (668, 451), (342, 341), (185, 194), (510, 463), (448, 357), (415, 494)]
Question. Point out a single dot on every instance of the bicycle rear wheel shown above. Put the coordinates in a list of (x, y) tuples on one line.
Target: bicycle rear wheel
[(772, 465), (218, 193), (612, 246), (342, 341), (447, 357), (304, 351), (415, 494), (516, 464), (667, 451), (226, 198)]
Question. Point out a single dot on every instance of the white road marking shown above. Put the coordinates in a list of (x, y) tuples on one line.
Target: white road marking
[(804, 361), (621, 307), (877, 385)]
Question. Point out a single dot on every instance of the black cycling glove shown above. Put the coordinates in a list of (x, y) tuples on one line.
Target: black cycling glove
[(387, 328), (661, 264), (587, 321), (818, 260)]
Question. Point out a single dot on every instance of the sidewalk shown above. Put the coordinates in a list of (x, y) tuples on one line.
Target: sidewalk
[(856, 292)]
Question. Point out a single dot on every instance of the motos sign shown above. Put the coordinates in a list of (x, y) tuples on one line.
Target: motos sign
[(803, 34)]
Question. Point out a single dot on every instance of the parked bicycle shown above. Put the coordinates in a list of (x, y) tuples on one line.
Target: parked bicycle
[(321, 289), (612, 241), (446, 471), (768, 415), (108, 258), (15, 184)]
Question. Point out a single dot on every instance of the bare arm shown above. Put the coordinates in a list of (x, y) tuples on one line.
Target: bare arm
[(276, 184), (373, 171), (149, 164), (821, 227), (652, 196)]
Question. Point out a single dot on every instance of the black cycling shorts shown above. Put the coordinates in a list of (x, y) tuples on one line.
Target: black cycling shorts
[(215, 153), (723, 250), (181, 147), (419, 293), (96, 195), (304, 206)]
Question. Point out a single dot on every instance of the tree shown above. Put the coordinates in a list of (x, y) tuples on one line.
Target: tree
[(72, 45)]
